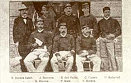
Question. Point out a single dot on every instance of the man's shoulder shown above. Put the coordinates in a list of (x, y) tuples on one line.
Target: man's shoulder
[(79, 37), (62, 16), (29, 18), (34, 32), (81, 17), (69, 36), (56, 37), (113, 19), (18, 18), (101, 20)]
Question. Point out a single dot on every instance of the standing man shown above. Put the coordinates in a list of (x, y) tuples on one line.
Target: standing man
[(71, 20), (22, 29), (86, 49), (109, 29), (63, 49), (88, 20), (49, 21)]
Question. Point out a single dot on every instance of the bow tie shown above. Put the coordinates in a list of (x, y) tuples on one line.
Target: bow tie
[(25, 18)]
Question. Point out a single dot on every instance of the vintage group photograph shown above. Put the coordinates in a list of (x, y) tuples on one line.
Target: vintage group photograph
[(65, 36)]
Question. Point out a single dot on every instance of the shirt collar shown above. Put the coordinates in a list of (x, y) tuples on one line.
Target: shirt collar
[(63, 36), (84, 36), (39, 31), (106, 18)]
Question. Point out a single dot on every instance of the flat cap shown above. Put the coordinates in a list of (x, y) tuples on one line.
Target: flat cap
[(68, 5), (106, 8), (62, 24)]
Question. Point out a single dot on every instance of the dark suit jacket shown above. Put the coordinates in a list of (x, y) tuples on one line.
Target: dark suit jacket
[(22, 31)]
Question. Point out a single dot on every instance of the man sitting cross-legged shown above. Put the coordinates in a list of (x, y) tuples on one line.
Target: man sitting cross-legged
[(63, 49), (38, 43), (86, 49)]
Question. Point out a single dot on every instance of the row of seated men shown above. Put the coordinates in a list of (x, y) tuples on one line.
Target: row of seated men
[(70, 48), (63, 49)]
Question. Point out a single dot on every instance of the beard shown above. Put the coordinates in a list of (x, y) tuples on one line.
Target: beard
[(24, 15)]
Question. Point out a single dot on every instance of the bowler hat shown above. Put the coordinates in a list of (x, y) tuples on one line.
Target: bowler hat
[(22, 7)]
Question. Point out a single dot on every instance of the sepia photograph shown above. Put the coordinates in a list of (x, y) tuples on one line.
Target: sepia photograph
[(65, 36)]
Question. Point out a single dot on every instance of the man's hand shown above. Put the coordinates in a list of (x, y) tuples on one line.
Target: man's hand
[(72, 52), (35, 45), (47, 54), (84, 53), (110, 36), (59, 59)]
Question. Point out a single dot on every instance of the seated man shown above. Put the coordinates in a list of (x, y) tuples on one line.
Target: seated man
[(38, 43), (63, 49), (86, 49)]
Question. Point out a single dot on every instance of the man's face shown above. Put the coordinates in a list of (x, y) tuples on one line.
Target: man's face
[(24, 13), (68, 10), (106, 13), (63, 29), (44, 10), (39, 25), (85, 9), (85, 31)]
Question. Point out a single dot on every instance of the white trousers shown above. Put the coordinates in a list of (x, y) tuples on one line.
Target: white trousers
[(69, 61), (109, 63), (37, 53), (94, 58)]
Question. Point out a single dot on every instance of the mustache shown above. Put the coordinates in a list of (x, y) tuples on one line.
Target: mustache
[(68, 11), (63, 31), (24, 13)]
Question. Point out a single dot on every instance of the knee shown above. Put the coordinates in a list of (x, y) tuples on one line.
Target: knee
[(26, 61), (78, 59), (70, 61), (53, 60), (97, 61), (45, 59)]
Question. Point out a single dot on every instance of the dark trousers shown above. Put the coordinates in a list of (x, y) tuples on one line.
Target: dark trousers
[(23, 51)]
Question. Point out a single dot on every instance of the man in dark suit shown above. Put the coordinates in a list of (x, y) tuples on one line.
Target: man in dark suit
[(22, 29)]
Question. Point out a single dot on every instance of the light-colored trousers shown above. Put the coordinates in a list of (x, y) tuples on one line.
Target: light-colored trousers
[(69, 61), (109, 62), (37, 53), (94, 58)]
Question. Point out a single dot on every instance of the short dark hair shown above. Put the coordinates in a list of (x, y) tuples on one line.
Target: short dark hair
[(40, 19), (106, 8), (62, 24)]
